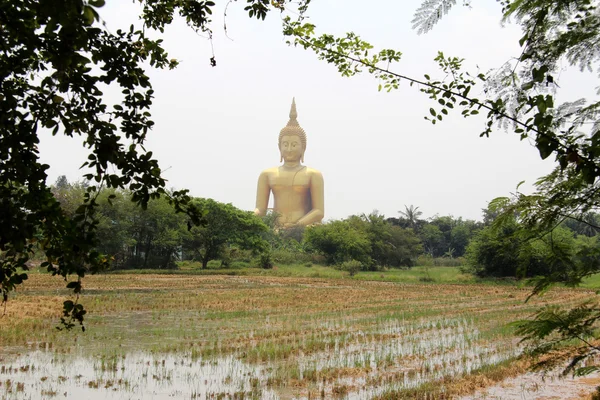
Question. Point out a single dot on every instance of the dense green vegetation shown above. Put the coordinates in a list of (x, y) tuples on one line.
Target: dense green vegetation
[(509, 250), (159, 238)]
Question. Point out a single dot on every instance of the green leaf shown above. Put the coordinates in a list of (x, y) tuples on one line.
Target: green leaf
[(88, 15), (523, 39)]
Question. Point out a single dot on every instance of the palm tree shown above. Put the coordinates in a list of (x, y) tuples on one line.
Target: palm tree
[(412, 214)]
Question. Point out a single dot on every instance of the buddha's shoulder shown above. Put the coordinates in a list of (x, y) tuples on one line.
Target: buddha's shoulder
[(313, 172), (269, 172)]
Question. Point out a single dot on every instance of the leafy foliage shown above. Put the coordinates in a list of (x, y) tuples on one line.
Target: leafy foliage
[(412, 214), (56, 58), (367, 239), (520, 94), (441, 236), (351, 266), (553, 327), (430, 13), (225, 225), (339, 242)]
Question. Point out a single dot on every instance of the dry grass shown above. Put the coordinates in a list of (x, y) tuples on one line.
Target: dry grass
[(316, 336)]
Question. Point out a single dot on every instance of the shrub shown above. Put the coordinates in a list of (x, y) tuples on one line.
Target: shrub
[(214, 264), (509, 251), (241, 255), (425, 260), (318, 259), (265, 261), (352, 267), (240, 264)]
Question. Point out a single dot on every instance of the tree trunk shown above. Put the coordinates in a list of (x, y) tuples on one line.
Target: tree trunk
[(148, 247)]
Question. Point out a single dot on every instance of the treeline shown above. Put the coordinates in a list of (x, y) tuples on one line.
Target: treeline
[(507, 249), (441, 236), (158, 237)]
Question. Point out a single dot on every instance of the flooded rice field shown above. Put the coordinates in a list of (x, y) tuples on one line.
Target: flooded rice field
[(164, 337)]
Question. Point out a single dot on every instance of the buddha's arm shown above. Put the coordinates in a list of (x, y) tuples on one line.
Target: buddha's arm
[(262, 194), (318, 202)]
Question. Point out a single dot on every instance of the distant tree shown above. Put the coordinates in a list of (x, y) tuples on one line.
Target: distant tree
[(61, 183), (156, 232), (339, 241), (224, 225), (433, 240), (447, 236), (412, 214), (509, 250), (69, 195), (489, 216), (369, 239), (403, 248), (401, 222), (391, 246), (587, 224), (495, 251)]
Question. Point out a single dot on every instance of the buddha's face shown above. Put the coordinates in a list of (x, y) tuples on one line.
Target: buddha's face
[(291, 148)]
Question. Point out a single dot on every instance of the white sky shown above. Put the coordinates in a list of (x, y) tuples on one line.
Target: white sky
[(216, 128)]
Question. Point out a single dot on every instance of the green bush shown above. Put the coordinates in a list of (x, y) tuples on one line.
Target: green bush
[(285, 256), (214, 264), (265, 261), (240, 264), (510, 251), (236, 254), (352, 267), (318, 259)]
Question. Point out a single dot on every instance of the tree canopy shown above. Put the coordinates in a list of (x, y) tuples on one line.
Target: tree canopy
[(57, 57)]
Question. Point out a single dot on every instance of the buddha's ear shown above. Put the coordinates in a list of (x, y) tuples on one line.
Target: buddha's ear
[(302, 159), (280, 152)]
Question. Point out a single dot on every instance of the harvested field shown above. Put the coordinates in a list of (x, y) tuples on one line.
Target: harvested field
[(183, 336)]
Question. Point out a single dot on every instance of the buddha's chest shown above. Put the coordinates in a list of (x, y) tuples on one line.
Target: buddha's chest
[(298, 180)]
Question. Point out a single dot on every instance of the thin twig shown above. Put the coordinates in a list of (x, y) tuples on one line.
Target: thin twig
[(495, 111)]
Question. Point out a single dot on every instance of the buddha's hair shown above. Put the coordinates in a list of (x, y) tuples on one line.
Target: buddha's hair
[(293, 127)]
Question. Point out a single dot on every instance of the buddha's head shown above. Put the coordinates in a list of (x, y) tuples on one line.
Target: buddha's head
[(292, 139)]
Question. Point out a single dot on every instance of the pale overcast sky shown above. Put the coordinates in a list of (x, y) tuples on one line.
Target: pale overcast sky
[(216, 128)]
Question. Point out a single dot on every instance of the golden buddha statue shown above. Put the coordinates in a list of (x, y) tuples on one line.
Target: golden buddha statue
[(297, 189)]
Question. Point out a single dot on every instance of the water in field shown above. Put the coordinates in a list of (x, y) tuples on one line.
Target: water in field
[(42, 374), (361, 365), (184, 337)]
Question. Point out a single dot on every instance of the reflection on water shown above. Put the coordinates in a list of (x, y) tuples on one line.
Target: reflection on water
[(394, 355), (43, 374)]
